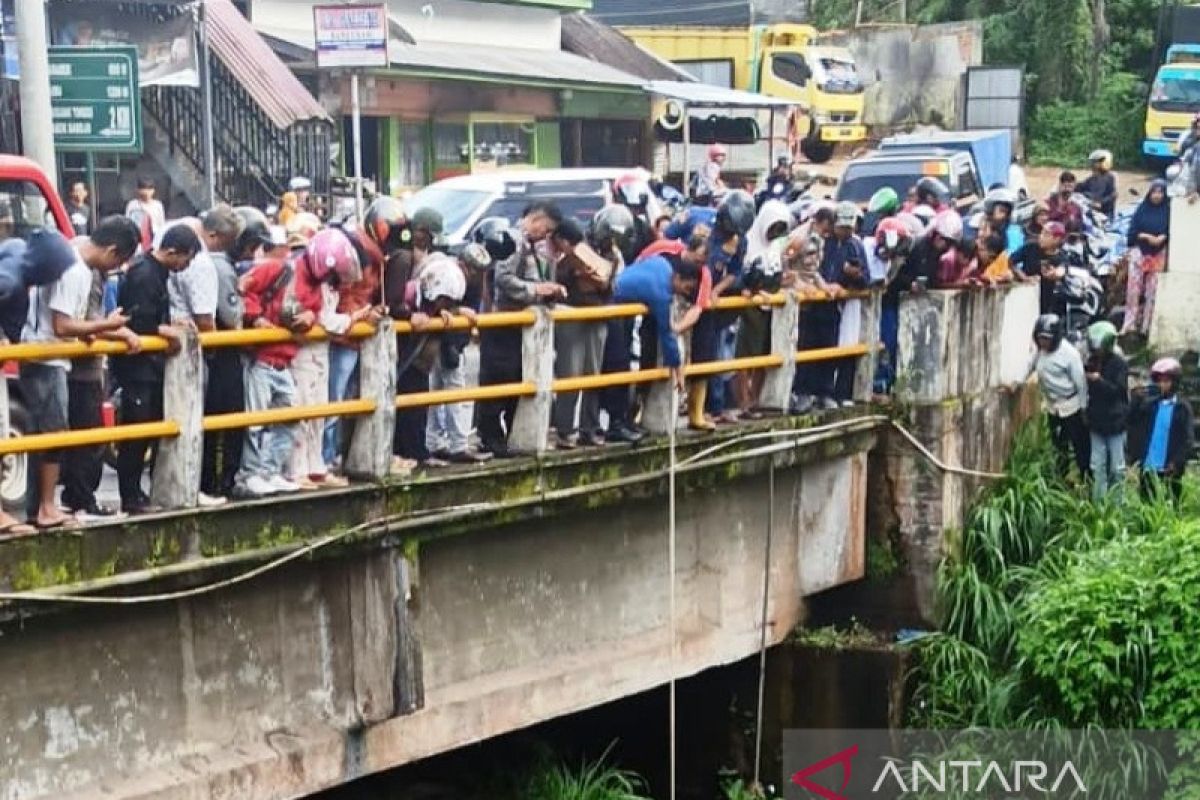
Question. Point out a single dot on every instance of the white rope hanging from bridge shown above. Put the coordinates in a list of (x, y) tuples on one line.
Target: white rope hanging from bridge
[(793, 438), (673, 417)]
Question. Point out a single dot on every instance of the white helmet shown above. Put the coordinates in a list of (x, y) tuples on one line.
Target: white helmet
[(441, 276), (948, 225), (1105, 157), (999, 197), (299, 184), (925, 213)]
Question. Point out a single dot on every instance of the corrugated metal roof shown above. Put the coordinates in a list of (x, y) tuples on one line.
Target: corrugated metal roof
[(702, 95), (554, 66), (591, 39), (672, 12), (274, 88)]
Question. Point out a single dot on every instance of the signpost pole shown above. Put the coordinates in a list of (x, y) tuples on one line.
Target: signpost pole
[(356, 126), (37, 120), (93, 189)]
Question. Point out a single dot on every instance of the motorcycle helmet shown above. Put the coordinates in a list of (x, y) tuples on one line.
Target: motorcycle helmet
[(331, 254), (715, 151), (1055, 229), (885, 202), (476, 257), (613, 226), (893, 238), (441, 278), (736, 213), (999, 197), (948, 225), (430, 221), (912, 223), (495, 234), (1048, 326), (1102, 336), (1102, 158), (386, 223), (1166, 368), (924, 214), (932, 192), (256, 231), (632, 190)]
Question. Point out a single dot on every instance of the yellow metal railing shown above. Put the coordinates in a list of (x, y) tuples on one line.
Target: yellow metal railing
[(505, 319)]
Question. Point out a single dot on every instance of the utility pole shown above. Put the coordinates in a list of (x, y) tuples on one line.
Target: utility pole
[(37, 122)]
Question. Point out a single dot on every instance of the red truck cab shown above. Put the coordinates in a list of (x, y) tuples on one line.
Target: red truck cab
[(28, 201)]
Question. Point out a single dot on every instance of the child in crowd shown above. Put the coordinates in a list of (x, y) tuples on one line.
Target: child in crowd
[(1108, 408), (1161, 430)]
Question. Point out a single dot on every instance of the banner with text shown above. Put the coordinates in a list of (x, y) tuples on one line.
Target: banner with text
[(166, 48)]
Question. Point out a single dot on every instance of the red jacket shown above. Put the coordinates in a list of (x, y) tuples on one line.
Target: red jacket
[(256, 286)]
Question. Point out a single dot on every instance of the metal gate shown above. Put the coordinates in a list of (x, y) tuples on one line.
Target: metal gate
[(995, 98)]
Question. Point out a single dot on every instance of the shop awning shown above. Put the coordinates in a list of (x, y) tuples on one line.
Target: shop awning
[(702, 95)]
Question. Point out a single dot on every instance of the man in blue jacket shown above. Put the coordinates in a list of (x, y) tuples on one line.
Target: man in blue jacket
[(656, 282)]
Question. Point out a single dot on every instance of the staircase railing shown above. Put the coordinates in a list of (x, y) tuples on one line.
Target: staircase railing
[(255, 158)]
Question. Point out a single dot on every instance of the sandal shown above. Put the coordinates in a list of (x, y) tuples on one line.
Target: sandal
[(63, 523), (15, 530)]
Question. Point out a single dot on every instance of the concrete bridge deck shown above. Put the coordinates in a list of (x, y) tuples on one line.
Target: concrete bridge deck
[(459, 609)]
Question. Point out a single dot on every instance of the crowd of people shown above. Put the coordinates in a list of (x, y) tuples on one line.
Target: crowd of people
[(135, 275)]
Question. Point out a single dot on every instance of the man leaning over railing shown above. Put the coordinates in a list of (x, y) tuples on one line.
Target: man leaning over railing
[(145, 297), (58, 312)]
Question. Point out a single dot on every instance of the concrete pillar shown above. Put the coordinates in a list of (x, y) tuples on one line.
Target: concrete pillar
[(37, 121), (871, 309), (785, 331), (176, 481), (370, 453), (1176, 313), (531, 424)]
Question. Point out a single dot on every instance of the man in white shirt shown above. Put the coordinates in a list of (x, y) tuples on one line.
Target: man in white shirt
[(58, 312), (147, 212)]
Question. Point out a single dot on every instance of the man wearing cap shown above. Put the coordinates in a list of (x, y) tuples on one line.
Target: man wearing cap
[(401, 272), (843, 267)]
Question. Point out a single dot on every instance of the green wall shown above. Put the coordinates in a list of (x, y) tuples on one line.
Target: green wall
[(609, 105), (549, 144)]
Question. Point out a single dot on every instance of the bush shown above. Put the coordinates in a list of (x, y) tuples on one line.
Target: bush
[(1064, 133)]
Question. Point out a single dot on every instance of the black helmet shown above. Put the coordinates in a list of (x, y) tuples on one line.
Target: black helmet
[(736, 213), (614, 225), (495, 234), (386, 224), (256, 230), (1048, 326), (934, 187)]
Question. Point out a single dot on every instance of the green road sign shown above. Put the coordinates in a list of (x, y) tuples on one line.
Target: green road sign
[(95, 100)]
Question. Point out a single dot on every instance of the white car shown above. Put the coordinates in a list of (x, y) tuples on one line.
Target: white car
[(467, 199)]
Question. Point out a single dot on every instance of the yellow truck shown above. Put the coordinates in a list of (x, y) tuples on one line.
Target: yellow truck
[(781, 60)]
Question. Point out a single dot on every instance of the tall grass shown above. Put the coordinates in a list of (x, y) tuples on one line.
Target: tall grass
[(591, 780)]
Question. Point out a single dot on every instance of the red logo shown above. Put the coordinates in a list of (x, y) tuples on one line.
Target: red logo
[(801, 778)]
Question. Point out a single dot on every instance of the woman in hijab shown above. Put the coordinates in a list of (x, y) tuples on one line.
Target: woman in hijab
[(1148, 234), (766, 243)]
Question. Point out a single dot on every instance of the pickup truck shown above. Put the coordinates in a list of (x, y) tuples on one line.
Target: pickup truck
[(27, 201), (991, 150), (902, 169)]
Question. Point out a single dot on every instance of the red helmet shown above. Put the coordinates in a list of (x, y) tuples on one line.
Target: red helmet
[(715, 150), (892, 237), (330, 253)]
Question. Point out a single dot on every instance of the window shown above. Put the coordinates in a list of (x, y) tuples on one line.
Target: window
[(502, 144), (413, 141), (23, 208), (581, 207), (451, 149), (967, 185), (791, 68), (455, 205)]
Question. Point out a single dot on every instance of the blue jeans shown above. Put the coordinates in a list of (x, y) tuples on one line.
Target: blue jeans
[(342, 363), (719, 391), (1108, 464), (268, 447), (448, 426)]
